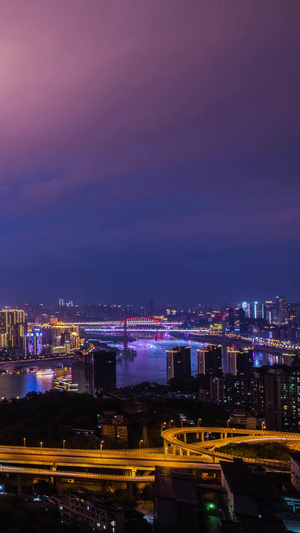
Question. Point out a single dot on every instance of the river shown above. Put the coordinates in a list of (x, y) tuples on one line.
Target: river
[(149, 364)]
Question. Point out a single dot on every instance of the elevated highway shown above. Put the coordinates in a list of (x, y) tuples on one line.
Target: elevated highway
[(176, 443), (184, 447), (119, 465)]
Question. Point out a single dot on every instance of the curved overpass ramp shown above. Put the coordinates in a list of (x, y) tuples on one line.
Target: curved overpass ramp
[(177, 441)]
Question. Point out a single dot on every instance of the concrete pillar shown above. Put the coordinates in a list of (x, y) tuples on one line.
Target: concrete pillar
[(184, 437), (130, 487), (202, 436), (59, 486)]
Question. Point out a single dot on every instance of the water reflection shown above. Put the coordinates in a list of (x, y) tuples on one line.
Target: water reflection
[(146, 363)]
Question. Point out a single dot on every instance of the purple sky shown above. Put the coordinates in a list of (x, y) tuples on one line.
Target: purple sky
[(149, 150)]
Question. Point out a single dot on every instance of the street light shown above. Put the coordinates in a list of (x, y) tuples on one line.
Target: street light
[(182, 420), (101, 446), (263, 426), (228, 422), (24, 441), (141, 442), (41, 444), (64, 444), (170, 422), (162, 426), (199, 422)]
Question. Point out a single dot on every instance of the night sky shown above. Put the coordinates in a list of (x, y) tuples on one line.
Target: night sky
[(149, 149)]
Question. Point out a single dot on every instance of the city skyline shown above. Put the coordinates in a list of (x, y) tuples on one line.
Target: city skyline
[(149, 151)]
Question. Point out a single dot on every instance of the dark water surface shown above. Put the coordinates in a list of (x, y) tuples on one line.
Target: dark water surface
[(149, 364)]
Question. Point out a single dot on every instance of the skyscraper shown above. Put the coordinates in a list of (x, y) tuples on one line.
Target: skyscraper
[(94, 371), (282, 311), (83, 372), (178, 362), (105, 376), (258, 310), (13, 326), (210, 360), (240, 361)]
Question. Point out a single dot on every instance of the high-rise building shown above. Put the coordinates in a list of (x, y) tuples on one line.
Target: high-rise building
[(13, 326), (94, 371), (210, 360), (178, 362), (83, 372), (32, 344), (275, 397), (240, 361), (231, 320), (105, 376), (282, 310), (246, 307), (230, 392), (270, 312), (258, 310), (176, 500)]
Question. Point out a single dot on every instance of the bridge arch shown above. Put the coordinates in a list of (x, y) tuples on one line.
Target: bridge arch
[(142, 321)]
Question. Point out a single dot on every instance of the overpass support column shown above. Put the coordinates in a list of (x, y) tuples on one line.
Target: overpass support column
[(59, 486), (202, 436), (184, 437), (53, 468), (130, 487)]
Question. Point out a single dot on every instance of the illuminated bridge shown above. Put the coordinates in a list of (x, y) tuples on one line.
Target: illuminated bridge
[(142, 321)]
